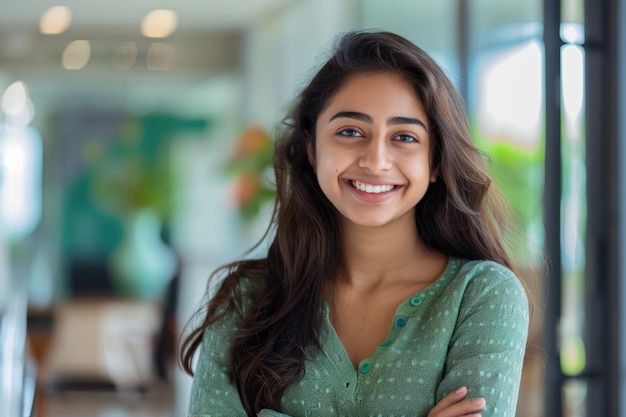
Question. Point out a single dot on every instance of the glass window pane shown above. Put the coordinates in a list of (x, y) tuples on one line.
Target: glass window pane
[(573, 352), (573, 11), (505, 99), (574, 397), (489, 17), (429, 24)]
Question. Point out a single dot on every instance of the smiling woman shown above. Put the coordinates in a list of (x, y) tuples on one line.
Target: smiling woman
[(387, 289)]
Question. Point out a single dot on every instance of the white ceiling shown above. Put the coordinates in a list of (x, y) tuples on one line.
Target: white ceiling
[(192, 14), (208, 42)]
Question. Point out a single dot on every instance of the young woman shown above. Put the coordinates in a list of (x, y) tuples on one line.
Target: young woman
[(387, 289)]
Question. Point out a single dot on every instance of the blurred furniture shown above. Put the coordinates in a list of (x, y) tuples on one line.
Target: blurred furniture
[(90, 277), (103, 341)]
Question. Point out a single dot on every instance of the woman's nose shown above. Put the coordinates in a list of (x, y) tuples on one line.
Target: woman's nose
[(376, 156)]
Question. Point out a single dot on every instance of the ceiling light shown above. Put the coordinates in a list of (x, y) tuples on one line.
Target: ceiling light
[(161, 57), (14, 98), (125, 56), (76, 55), (23, 118), (159, 23), (55, 20)]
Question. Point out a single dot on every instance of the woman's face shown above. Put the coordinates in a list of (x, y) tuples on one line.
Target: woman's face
[(372, 152)]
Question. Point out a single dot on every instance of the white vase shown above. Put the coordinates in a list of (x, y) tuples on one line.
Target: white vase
[(142, 265)]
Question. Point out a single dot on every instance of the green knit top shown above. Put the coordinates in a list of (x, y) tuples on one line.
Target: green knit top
[(468, 328)]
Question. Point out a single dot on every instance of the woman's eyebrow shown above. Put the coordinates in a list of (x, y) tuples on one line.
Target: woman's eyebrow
[(396, 120), (353, 115), (403, 120)]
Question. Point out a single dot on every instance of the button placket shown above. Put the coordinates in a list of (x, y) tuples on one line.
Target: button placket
[(386, 342)]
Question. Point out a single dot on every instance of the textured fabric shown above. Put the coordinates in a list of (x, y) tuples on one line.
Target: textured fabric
[(468, 328)]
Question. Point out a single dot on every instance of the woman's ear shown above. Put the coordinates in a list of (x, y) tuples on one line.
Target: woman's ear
[(433, 175)]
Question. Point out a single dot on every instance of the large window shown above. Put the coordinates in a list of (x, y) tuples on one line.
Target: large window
[(495, 52)]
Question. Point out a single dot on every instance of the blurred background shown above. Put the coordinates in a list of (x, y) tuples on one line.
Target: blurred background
[(135, 142)]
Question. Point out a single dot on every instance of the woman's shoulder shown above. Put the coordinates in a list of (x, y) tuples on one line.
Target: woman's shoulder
[(485, 269), (484, 279)]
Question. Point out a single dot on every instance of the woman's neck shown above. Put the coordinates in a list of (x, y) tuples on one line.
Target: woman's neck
[(383, 256)]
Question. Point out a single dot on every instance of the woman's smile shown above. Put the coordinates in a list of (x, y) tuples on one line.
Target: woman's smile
[(370, 192), (370, 188)]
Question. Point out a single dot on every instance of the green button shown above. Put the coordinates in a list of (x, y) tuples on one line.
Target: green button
[(366, 367), (415, 301), (400, 322)]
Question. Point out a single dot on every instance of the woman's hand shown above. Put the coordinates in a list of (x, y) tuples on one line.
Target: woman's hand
[(454, 405)]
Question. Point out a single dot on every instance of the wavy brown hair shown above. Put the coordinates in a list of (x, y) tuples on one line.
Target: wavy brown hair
[(459, 215)]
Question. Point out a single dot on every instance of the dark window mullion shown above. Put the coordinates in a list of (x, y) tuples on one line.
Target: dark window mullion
[(463, 45), (603, 280), (552, 204), (620, 35)]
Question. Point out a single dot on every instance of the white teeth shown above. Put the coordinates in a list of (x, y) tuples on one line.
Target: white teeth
[(373, 189)]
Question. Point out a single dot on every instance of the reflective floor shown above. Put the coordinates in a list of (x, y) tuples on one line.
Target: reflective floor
[(158, 402)]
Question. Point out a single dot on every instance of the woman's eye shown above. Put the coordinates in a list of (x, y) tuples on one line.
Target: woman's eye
[(406, 138), (350, 133)]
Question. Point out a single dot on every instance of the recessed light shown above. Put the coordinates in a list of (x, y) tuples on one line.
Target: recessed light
[(159, 23), (161, 57), (125, 56), (76, 55), (14, 98), (55, 20)]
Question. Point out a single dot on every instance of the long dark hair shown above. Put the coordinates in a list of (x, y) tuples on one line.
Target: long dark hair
[(459, 216)]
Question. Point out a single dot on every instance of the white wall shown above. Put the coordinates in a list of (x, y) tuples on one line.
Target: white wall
[(283, 52)]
